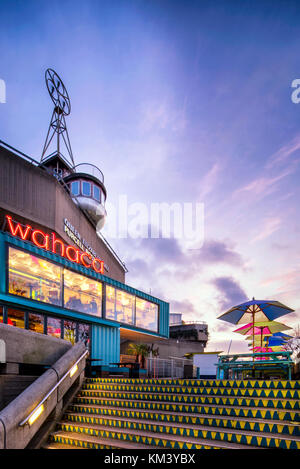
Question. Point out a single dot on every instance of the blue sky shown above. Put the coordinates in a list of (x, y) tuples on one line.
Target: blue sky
[(176, 101)]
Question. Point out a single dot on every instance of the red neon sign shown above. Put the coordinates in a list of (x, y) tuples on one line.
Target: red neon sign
[(49, 243)]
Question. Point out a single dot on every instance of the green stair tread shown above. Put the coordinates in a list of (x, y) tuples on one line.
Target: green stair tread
[(178, 389), (147, 393), (186, 426), (216, 404), (117, 444), (54, 445), (250, 384), (189, 414), (206, 406), (159, 436)]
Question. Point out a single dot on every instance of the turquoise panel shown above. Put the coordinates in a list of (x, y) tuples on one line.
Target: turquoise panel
[(106, 344)]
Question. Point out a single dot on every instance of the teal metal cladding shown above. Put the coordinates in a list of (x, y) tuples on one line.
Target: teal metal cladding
[(106, 344)]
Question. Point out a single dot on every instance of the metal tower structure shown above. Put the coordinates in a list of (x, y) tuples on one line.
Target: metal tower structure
[(57, 129)]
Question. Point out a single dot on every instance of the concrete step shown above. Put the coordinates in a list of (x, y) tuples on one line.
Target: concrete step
[(248, 437), (222, 391), (292, 404), (242, 423), (81, 441), (206, 407), (148, 438), (251, 384)]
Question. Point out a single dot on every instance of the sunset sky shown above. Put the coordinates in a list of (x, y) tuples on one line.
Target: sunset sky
[(177, 102)]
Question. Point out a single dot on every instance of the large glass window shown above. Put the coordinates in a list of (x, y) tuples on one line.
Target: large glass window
[(36, 322), (70, 331), (146, 314), (16, 318), (1, 314), (124, 307), (110, 308), (119, 305), (54, 327), (82, 293), (33, 277)]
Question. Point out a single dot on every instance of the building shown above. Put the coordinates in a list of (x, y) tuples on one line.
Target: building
[(59, 276), (185, 339)]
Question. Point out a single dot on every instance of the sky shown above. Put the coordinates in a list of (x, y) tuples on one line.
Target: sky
[(177, 102)]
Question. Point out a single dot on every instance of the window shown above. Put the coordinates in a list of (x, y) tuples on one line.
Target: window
[(124, 307), (86, 188), (84, 334), (16, 318), (36, 322), (75, 188), (54, 327), (110, 302), (82, 293), (96, 193), (70, 331), (1, 314), (119, 305), (146, 314), (33, 277)]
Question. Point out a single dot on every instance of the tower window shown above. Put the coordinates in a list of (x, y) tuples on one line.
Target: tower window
[(86, 188), (96, 193), (75, 188)]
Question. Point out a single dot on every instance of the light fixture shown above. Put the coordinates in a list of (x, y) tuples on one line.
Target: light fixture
[(73, 370), (36, 414)]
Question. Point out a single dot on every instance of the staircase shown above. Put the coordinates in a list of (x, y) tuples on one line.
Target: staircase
[(181, 414)]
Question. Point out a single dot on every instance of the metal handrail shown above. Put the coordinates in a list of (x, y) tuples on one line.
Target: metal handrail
[(25, 421)]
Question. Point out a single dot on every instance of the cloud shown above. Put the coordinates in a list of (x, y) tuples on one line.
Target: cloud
[(269, 227), (209, 181), (284, 152), (214, 252), (184, 307), (231, 293), (261, 186), (159, 115)]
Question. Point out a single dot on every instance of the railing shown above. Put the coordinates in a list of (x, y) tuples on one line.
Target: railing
[(71, 371), (234, 366), (90, 169), (172, 367), (43, 401)]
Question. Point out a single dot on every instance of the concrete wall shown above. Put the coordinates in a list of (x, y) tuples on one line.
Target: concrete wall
[(13, 435), (33, 196), (207, 363), (23, 346)]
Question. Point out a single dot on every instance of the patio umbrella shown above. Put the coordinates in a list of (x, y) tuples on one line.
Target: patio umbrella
[(282, 335), (262, 329), (255, 311)]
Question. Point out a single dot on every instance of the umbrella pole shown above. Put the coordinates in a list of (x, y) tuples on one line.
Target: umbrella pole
[(253, 372)]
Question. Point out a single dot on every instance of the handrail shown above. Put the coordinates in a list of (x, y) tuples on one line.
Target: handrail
[(25, 421)]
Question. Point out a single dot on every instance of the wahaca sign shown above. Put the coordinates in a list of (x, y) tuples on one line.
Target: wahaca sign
[(52, 244)]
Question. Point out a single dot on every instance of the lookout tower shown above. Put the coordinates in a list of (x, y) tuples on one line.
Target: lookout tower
[(85, 181)]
